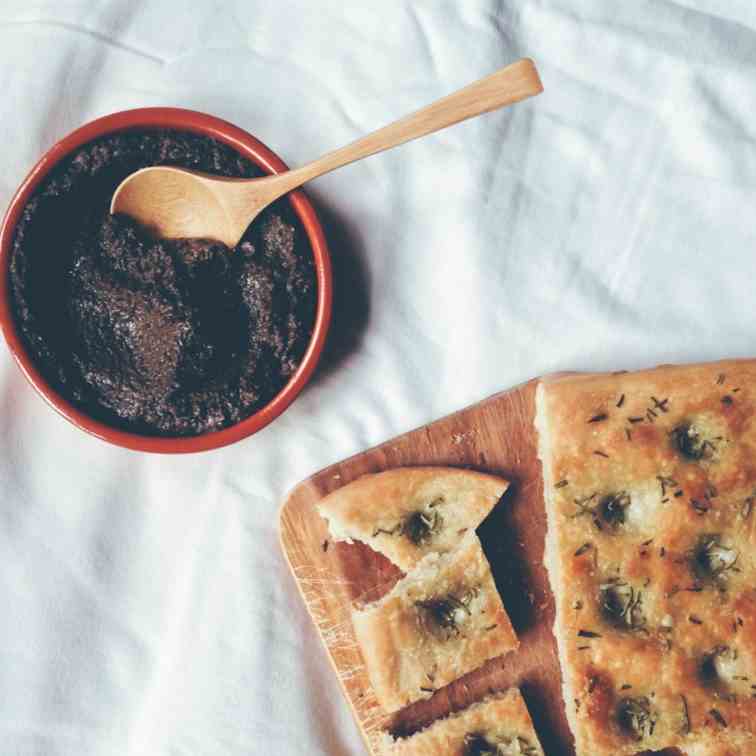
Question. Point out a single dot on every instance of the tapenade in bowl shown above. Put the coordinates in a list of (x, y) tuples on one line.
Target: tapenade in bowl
[(151, 344)]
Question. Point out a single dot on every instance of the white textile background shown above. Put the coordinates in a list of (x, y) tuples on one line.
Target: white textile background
[(145, 607)]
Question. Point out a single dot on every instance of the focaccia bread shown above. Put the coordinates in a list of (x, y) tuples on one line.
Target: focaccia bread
[(650, 488), (410, 512), (497, 726), (441, 621)]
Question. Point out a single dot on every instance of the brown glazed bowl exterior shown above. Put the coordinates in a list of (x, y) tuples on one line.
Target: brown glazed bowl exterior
[(249, 147)]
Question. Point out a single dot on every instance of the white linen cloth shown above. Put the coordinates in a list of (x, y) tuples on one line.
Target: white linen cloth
[(145, 607)]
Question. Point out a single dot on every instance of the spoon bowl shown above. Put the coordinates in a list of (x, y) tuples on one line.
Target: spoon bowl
[(176, 203)]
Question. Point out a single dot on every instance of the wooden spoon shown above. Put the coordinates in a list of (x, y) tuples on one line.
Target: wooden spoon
[(178, 203)]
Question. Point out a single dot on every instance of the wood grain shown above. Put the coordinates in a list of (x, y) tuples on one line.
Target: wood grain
[(495, 436)]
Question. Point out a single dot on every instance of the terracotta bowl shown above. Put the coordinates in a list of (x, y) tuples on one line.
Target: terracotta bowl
[(249, 147)]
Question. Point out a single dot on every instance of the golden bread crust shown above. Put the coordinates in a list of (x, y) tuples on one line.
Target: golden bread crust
[(650, 486), (409, 512), (500, 719), (443, 620)]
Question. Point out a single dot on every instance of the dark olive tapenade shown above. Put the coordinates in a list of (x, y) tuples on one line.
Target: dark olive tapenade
[(160, 337)]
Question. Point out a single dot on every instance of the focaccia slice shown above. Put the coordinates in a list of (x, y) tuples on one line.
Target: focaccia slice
[(650, 488), (499, 725), (410, 512), (441, 621)]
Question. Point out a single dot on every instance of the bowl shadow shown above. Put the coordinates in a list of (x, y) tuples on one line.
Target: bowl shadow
[(351, 287)]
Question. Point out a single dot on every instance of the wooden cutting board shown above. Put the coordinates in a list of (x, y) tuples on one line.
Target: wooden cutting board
[(496, 436)]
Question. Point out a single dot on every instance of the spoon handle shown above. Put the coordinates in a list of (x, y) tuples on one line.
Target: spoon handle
[(506, 86)]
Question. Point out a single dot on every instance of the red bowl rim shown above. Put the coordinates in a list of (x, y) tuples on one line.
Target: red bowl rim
[(200, 123)]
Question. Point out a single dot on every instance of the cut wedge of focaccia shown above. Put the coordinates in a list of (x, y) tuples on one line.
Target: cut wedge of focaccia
[(410, 512), (498, 726), (650, 487), (441, 621)]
